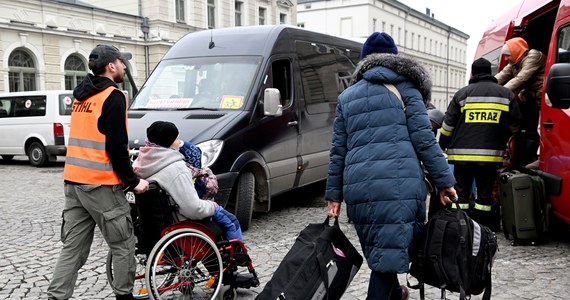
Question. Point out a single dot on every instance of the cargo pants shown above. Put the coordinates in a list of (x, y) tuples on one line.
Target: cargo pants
[(87, 206)]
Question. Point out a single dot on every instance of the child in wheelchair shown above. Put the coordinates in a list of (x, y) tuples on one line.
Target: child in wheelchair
[(189, 247), (160, 161)]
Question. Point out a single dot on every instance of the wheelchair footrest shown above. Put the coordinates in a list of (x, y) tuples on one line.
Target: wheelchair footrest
[(246, 281)]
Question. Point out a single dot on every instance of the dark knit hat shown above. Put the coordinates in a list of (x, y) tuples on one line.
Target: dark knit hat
[(378, 42), (105, 54), (481, 66), (162, 133)]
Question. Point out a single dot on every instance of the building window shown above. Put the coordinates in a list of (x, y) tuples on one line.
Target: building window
[(374, 21), (75, 71), (392, 30), (21, 71), (383, 26), (412, 40), (399, 35), (405, 38), (211, 14), (179, 10), (282, 19), (262, 16), (238, 8)]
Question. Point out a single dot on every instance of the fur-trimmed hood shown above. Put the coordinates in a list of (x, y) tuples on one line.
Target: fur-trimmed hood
[(399, 64)]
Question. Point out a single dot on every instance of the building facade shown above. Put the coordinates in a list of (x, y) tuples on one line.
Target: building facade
[(45, 44), (438, 47)]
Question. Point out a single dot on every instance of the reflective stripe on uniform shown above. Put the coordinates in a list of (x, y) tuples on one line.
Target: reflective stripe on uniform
[(482, 207), (485, 99), (495, 106), (482, 155), (88, 164), (479, 158), (467, 151), (86, 143), (461, 205)]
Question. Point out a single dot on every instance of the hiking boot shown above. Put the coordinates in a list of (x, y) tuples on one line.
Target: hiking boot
[(405, 292)]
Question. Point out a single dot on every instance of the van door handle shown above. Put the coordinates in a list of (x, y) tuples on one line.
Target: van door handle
[(547, 124), (293, 123)]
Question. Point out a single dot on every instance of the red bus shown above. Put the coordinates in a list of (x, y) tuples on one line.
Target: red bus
[(545, 25)]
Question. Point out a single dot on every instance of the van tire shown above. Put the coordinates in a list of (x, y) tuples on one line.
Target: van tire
[(244, 199), (37, 154), (7, 157)]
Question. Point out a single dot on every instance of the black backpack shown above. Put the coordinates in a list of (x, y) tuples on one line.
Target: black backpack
[(455, 253)]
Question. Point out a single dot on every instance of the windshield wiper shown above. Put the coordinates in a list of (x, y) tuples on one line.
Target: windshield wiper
[(198, 108)]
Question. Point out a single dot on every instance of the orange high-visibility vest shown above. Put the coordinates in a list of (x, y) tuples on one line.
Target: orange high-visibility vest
[(86, 160)]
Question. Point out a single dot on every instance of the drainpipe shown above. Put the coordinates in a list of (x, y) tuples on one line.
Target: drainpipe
[(145, 30), (447, 66)]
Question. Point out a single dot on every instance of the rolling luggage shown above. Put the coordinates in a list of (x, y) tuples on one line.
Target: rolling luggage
[(524, 206), (320, 265)]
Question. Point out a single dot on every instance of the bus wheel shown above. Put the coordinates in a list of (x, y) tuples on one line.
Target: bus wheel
[(244, 199)]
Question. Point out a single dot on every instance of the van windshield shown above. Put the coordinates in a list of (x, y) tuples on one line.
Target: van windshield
[(199, 82)]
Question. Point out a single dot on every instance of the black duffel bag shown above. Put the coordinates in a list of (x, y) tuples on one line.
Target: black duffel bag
[(320, 265)]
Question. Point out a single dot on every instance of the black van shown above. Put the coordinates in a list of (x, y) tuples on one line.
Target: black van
[(259, 101)]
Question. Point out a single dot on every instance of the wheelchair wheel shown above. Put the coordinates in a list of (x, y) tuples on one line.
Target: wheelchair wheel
[(139, 289), (184, 264)]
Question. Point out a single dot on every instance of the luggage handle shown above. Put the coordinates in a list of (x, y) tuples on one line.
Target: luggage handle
[(327, 221)]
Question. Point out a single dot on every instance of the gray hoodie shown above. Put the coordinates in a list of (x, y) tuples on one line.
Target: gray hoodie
[(167, 167)]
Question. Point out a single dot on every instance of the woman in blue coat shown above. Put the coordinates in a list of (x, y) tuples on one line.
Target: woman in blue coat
[(378, 144)]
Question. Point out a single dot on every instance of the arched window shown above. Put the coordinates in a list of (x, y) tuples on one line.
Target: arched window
[(75, 71), (21, 71)]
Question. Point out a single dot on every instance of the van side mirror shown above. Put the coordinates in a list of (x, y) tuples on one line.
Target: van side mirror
[(272, 103), (558, 85)]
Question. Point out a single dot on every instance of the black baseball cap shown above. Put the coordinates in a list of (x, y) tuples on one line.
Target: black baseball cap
[(105, 54)]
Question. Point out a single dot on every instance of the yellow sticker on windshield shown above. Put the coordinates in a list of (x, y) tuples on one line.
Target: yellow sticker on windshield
[(482, 116), (231, 102)]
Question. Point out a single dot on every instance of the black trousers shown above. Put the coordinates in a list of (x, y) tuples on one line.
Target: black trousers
[(482, 207)]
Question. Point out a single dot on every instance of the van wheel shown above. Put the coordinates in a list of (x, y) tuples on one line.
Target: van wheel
[(244, 199), (37, 154), (7, 157)]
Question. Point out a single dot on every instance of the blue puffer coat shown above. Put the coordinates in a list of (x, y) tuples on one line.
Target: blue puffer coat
[(375, 158)]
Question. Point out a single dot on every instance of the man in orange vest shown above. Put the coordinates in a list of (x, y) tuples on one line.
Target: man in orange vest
[(96, 173)]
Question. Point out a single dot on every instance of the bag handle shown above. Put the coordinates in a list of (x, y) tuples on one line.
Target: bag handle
[(327, 221)]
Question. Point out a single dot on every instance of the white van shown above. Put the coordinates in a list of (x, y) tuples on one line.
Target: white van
[(35, 124)]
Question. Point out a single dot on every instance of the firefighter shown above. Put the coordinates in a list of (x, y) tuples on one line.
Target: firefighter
[(475, 130)]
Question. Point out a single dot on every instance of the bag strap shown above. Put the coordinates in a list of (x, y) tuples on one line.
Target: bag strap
[(395, 91)]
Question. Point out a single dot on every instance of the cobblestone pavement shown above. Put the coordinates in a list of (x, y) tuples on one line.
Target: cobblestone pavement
[(30, 217)]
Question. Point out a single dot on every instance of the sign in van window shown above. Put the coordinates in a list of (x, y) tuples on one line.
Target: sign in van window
[(33, 106), (65, 104)]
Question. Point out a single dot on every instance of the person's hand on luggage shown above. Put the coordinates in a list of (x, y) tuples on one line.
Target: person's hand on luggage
[(333, 208), (446, 194), (141, 187)]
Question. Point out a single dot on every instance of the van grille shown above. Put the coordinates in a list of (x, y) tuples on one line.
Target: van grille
[(203, 116)]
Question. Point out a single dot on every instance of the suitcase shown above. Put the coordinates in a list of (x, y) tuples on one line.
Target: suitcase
[(523, 206)]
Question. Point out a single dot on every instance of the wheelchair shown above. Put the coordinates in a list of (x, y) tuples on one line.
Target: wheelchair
[(183, 259)]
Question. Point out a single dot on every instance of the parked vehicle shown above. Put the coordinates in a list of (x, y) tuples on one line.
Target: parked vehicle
[(259, 101), (35, 124), (545, 26)]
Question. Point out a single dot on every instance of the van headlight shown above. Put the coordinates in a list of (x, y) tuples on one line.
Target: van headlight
[(210, 151)]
